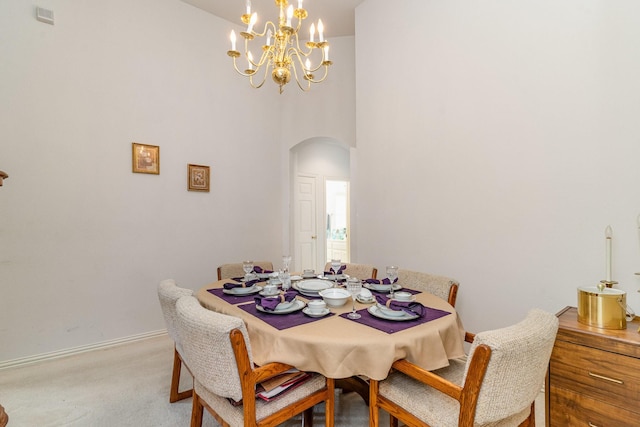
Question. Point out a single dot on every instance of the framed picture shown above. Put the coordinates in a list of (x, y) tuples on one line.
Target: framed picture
[(198, 177), (146, 158)]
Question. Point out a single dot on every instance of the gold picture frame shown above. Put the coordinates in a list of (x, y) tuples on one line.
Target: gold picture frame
[(198, 177), (145, 158)]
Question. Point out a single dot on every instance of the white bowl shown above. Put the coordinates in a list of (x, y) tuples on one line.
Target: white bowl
[(335, 297)]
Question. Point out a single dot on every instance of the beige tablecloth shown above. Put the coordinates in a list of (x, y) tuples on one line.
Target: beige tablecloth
[(340, 348)]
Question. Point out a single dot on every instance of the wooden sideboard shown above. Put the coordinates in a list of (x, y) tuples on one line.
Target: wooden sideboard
[(594, 375)]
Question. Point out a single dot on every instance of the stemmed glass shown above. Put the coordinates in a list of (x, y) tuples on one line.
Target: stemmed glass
[(354, 286), (286, 260), (285, 279), (335, 267), (247, 266), (392, 274)]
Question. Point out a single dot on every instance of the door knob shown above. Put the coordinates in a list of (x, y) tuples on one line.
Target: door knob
[(313, 237)]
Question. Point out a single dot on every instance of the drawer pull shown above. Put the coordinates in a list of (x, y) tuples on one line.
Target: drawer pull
[(602, 377)]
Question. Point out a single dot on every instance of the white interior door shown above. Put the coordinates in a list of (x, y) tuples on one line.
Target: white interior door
[(305, 227)]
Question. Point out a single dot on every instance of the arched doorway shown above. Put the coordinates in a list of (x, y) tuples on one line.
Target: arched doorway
[(320, 168)]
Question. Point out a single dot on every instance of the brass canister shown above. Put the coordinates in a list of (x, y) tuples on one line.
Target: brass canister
[(604, 308)]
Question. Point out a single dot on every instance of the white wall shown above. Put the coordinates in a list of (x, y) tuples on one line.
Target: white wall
[(496, 141), (83, 240)]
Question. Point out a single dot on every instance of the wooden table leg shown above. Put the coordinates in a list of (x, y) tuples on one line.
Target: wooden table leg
[(355, 384)]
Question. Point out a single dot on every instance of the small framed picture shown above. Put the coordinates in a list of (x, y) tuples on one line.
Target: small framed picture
[(146, 158), (198, 177)]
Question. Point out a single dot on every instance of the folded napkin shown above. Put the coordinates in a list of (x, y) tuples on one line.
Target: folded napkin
[(258, 269), (232, 285), (411, 307), (270, 303), (331, 271), (380, 282)]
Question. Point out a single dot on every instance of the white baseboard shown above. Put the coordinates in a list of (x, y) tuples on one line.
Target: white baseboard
[(77, 350)]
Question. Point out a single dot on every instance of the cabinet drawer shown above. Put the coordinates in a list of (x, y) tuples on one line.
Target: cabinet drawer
[(572, 409), (609, 377)]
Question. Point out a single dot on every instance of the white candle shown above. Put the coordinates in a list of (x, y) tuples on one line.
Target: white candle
[(608, 232), (320, 31), (312, 32), (307, 65), (250, 60), (299, 4), (248, 4), (269, 37), (233, 40), (289, 15), (252, 22), (326, 53)]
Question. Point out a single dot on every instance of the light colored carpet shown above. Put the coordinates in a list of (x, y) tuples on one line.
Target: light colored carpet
[(127, 385)]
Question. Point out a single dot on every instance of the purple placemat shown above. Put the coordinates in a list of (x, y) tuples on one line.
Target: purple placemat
[(391, 326), (282, 321), (231, 299)]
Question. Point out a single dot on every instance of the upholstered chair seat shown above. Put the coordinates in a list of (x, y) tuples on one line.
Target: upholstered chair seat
[(495, 386)]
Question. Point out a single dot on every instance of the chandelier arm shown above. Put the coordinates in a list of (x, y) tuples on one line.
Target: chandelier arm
[(264, 78), (295, 74), (326, 73), (242, 73), (265, 29)]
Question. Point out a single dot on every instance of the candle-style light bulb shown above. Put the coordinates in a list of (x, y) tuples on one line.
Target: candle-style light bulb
[(248, 5), (233, 40), (312, 33), (252, 22), (320, 31), (608, 234), (250, 60), (289, 15), (326, 53)]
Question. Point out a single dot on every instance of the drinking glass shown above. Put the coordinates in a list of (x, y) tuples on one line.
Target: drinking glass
[(285, 278), (392, 274), (247, 266), (335, 266), (286, 261), (354, 286)]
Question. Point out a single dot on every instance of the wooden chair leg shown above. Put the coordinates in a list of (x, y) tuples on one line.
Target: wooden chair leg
[(174, 394), (374, 413), (308, 417), (196, 411)]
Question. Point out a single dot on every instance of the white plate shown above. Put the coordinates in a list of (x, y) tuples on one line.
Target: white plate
[(297, 305), (296, 277), (389, 311), (310, 314), (335, 277), (375, 311), (264, 294), (243, 291), (365, 301), (305, 293), (381, 288), (313, 285)]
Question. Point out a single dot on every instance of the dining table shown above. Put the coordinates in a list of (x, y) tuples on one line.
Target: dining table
[(338, 347)]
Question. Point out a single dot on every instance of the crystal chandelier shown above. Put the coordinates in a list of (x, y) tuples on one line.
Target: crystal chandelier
[(281, 52)]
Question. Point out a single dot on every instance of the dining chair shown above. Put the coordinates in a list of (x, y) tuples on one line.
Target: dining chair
[(361, 271), (218, 352), (168, 294), (496, 386), (227, 271), (440, 286)]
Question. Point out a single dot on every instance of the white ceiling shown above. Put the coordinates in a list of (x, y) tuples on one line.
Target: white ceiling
[(338, 16)]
